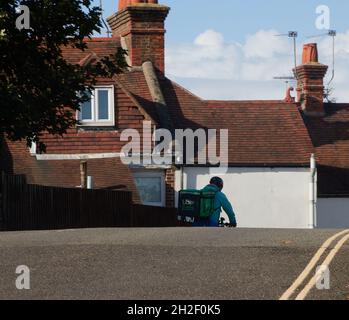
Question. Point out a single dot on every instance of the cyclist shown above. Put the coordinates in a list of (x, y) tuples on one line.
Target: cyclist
[(221, 202)]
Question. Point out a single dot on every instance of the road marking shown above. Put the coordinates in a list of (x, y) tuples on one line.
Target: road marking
[(312, 264), (327, 262)]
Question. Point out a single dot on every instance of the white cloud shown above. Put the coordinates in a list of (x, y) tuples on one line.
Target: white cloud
[(210, 38), (209, 57), (265, 44), (215, 69)]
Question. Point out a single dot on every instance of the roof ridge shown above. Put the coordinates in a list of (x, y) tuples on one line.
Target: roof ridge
[(251, 101), (184, 89), (155, 90), (87, 60)]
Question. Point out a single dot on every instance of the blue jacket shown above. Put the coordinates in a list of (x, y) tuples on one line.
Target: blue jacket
[(221, 202)]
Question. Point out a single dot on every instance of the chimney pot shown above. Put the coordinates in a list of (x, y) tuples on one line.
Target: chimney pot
[(289, 98), (310, 53), (125, 3)]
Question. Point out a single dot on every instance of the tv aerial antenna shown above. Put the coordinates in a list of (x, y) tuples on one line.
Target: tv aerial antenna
[(103, 21), (292, 35), (332, 34), (286, 79)]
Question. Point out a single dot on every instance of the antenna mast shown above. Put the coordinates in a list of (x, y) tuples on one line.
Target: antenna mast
[(292, 35), (333, 34), (103, 21)]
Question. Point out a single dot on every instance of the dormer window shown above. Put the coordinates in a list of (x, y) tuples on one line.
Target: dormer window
[(99, 110)]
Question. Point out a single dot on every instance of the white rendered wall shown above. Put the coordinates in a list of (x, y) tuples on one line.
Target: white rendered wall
[(262, 197)]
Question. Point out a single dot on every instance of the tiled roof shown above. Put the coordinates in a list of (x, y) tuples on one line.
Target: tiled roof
[(330, 136), (100, 46), (134, 82), (260, 132)]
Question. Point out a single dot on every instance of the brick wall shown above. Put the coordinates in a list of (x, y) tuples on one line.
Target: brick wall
[(143, 30), (170, 188), (310, 87)]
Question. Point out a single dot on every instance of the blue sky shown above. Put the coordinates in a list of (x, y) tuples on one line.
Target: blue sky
[(237, 18), (198, 29)]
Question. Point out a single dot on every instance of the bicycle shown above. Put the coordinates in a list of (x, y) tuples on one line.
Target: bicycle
[(223, 224)]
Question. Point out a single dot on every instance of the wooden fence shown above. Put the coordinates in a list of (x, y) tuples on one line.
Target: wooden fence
[(33, 207), (154, 217)]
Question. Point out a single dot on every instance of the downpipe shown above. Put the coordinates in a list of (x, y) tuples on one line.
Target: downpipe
[(312, 193)]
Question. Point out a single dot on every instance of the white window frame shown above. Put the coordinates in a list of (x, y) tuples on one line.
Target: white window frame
[(95, 122), (154, 174)]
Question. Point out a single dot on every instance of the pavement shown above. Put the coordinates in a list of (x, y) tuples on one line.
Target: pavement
[(162, 264)]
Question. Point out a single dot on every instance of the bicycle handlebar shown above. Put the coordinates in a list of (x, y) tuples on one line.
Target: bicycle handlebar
[(223, 224)]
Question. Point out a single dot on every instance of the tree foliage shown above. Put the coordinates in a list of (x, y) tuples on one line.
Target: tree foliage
[(36, 83)]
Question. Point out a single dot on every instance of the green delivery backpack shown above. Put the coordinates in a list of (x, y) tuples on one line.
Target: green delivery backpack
[(194, 204)]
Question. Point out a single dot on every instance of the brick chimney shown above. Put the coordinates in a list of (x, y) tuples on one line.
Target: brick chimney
[(310, 81), (141, 26)]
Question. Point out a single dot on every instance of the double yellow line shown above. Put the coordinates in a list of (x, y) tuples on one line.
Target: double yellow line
[(314, 262)]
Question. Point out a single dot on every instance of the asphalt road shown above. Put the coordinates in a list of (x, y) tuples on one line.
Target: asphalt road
[(164, 263)]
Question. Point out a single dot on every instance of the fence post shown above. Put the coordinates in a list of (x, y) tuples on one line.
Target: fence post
[(83, 174)]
